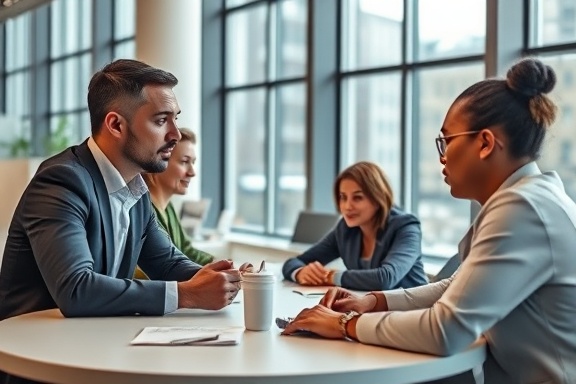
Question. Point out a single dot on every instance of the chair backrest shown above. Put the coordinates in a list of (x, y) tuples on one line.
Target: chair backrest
[(193, 213), (225, 222), (312, 226), (448, 269)]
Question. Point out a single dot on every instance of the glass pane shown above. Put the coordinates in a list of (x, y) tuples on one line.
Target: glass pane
[(292, 38), (70, 79), (15, 141), (371, 123), (84, 128), (14, 125), (62, 129), (246, 46), (291, 156), (245, 155), (559, 152), (552, 22), (18, 42), (444, 219), (464, 35), (66, 130), (124, 19), (372, 31), (71, 26), (125, 50), (18, 94)]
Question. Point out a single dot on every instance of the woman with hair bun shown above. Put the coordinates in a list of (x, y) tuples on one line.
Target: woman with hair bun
[(516, 285)]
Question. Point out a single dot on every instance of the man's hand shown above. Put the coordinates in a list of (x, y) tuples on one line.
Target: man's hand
[(212, 287), (320, 320), (313, 274), (342, 300)]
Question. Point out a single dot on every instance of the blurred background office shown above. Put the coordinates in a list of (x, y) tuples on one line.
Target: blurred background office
[(285, 93)]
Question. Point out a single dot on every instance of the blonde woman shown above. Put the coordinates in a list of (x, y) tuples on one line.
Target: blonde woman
[(175, 180)]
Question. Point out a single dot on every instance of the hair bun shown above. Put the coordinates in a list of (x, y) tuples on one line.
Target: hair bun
[(531, 77)]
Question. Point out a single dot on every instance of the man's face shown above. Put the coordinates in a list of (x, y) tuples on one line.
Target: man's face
[(152, 132)]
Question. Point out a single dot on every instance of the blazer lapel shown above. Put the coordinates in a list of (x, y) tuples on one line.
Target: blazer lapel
[(356, 246), (87, 160), (375, 261)]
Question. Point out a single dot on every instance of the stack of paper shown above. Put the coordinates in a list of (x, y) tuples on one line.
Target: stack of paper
[(188, 336)]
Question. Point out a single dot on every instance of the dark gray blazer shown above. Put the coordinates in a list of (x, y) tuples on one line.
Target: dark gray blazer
[(59, 251), (396, 261)]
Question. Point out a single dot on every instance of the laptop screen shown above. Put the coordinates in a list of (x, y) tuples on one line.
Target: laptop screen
[(312, 226)]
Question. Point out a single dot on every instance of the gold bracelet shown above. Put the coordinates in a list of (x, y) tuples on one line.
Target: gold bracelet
[(344, 319)]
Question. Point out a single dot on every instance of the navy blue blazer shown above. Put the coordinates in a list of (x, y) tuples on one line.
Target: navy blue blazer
[(59, 251), (396, 261)]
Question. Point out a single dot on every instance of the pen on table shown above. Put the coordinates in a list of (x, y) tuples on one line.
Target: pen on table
[(191, 340)]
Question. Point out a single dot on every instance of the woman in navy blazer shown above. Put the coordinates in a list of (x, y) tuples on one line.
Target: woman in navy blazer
[(379, 244)]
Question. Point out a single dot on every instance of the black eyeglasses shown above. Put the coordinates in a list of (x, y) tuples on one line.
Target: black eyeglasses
[(441, 143)]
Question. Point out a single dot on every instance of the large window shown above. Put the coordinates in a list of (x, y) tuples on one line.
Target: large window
[(15, 140), (265, 98), (50, 56), (553, 37), (444, 219), (124, 29), (401, 70)]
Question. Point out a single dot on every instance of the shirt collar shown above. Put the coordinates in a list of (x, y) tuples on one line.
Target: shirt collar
[(529, 169), (112, 177)]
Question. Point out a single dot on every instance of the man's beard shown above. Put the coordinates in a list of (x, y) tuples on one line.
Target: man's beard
[(131, 152)]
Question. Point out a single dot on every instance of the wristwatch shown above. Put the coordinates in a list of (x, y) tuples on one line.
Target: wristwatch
[(344, 319)]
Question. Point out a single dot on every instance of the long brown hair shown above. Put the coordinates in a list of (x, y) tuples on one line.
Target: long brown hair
[(374, 184)]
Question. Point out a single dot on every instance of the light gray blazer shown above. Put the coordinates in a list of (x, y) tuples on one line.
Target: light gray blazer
[(516, 287), (60, 247)]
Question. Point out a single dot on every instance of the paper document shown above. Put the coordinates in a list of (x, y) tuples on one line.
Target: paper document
[(311, 291), (188, 336)]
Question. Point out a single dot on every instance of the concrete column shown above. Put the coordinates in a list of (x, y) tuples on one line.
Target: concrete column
[(168, 36)]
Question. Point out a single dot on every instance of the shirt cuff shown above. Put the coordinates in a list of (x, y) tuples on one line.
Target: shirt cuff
[(293, 275), (396, 300), (171, 302), (337, 278), (367, 327)]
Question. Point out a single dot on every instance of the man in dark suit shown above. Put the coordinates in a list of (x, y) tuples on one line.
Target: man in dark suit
[(85, 220)]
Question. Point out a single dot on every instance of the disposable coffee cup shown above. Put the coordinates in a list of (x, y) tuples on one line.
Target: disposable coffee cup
[(258, 300)]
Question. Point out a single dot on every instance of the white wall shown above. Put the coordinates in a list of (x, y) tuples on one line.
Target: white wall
[(16, 173), (168, 36)]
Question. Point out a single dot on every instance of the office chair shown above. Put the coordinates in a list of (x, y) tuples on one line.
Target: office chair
[(192, 215)]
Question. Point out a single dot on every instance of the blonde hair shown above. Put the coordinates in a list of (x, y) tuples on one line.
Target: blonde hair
[(187, 135)]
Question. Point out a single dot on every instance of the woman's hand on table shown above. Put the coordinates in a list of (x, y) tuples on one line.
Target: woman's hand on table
[(313, 274), (342, 300), (319, 320)]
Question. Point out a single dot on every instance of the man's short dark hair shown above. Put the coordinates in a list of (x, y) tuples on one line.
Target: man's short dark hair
[(119, 85)]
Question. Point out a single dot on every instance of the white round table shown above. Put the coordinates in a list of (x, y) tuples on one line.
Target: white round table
[(45, 346)]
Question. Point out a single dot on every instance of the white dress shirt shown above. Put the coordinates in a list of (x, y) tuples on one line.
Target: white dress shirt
[(123, 197)]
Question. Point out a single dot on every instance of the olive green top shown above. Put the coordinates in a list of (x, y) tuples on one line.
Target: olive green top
[(169, 221)]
